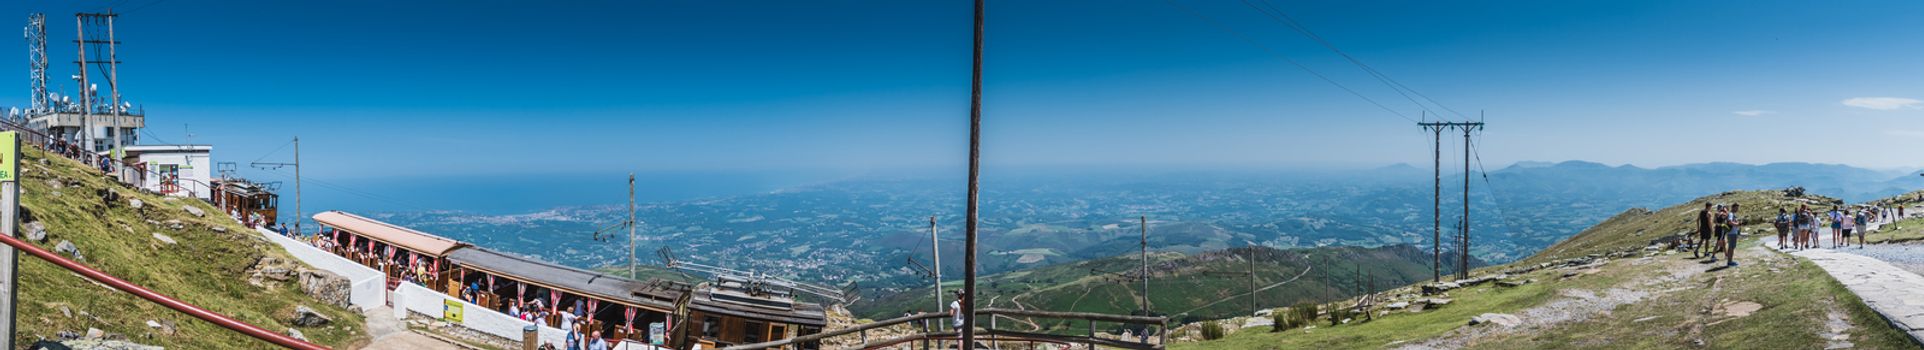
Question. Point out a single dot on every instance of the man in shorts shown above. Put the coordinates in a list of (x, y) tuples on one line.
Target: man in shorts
[(1836, 227), (1719, 224), (1703, 232)]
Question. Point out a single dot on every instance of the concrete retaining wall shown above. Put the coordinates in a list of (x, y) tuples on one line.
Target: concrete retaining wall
[(429, 303), (365, 283)]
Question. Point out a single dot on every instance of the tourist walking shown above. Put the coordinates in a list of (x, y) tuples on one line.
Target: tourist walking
[(1806, 223), (1836, 227), (1863, 228)]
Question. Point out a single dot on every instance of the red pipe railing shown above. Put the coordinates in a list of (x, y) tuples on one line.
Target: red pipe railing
[(163, 300)]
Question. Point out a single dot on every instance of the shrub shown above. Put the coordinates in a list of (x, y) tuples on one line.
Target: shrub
[(1336, 315), (1212, 330), (1305, 313), (1279, 322)]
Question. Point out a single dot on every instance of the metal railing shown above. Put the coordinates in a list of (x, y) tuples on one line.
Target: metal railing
[(216, 318), (990, 335)]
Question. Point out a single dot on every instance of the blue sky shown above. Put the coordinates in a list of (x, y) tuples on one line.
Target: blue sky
[(492, 88)]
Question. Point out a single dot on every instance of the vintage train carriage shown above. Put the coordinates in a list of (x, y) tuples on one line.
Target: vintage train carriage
[(618, 307), (399, 252), (253, 203)]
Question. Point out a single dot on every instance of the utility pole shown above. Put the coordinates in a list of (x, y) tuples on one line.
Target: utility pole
[(1252, 282), (297, 186), (1464, 259), (113, 87), (297, 179), (935, 246), (632, 273), (1144, 334), (86, 118), (1436, 260), (975, 168), (1464, 271)]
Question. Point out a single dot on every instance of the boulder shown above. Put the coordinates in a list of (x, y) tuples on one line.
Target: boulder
[(66, 247), (1505, 320), (194, 210), (136, 203), (306, 317), (1439, 288), (95, 344), (1398, 305), (164, 238), (326, 286), (173, 224), (296, 334), (36, 231), (221, 229)]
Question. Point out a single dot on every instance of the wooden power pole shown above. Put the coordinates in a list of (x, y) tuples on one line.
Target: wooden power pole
[(975, 171), (1463, 266)]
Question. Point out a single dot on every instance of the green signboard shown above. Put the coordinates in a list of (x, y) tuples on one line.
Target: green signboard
[(9, 164)]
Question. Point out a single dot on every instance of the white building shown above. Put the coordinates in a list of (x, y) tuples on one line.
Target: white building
[(174, 170)]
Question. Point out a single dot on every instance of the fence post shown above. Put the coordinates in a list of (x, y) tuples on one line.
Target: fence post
[(528, 337), (1092, 334)]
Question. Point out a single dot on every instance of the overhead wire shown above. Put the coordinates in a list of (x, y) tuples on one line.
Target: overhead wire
[(1276, 14), (1299, 65)]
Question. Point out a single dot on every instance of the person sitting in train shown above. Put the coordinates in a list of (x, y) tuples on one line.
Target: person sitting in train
[(514, 309)]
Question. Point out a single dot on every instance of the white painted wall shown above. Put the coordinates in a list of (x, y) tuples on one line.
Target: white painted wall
[(365, 283), (195, 171), (427, 302)]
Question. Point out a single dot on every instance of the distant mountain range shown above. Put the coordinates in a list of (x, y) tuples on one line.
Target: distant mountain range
[(866, 230)]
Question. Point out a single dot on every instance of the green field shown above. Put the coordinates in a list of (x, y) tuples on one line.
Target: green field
[(1204, 286)]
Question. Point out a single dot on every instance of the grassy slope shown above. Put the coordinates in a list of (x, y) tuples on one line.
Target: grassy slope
[(1636, 227), (206, 268), (1796, 296), (1209, 285)]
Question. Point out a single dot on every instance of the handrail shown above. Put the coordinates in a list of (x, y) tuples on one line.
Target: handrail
[(164, 300), (1161, 321)]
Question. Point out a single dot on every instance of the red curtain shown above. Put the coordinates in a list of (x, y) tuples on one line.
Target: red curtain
[(631, 320)]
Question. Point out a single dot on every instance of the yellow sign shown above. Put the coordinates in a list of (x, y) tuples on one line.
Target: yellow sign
[(451, 310), (9, 156)]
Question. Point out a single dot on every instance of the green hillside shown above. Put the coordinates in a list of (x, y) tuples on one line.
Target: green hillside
[(1628, 298), (1209, 285), (206, 267)]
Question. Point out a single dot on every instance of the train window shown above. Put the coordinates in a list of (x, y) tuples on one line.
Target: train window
[(711, 327), (777, 332), (754, 332)]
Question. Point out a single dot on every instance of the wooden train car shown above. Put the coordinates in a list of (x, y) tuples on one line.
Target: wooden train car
[(614, 306), (254, 203)]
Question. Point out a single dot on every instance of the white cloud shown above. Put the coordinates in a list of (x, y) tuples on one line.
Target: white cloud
[(1884, 103), (1753, 113)]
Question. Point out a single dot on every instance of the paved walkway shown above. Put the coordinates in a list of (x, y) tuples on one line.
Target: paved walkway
[(1896, 293), (390, 333)]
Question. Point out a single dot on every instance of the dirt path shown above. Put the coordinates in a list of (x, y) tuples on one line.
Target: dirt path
[(1578, 304)]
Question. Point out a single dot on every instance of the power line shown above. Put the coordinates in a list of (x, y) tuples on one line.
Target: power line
[(271, 153), (1285, 58), (1277, 15)]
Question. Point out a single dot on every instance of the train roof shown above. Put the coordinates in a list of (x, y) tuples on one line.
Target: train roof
[(573, 280), (417, 241)]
